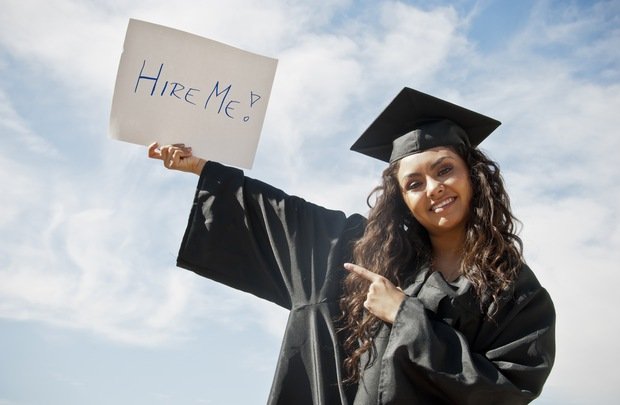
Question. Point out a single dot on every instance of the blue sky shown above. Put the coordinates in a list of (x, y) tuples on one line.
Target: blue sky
[(92, 308)]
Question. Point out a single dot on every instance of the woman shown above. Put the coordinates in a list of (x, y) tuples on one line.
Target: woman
[(439, 306)]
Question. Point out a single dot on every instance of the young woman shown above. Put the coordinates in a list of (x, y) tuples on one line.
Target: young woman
[(438, 305)]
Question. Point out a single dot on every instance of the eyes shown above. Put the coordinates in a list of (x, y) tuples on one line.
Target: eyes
[(414, 185), (416, 182), (445, 170)]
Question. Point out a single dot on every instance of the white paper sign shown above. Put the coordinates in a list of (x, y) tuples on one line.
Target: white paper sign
[(176, 87)]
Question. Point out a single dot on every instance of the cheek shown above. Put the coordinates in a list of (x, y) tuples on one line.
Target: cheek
[(467, 192), (462, 185), (413, 204)]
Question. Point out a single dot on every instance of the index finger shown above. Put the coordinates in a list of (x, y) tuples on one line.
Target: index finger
[(362, 272)]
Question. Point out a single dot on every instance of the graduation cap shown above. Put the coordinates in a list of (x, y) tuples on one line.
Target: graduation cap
[(414, 122)]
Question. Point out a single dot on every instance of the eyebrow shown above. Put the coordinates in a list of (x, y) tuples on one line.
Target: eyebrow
[(432, 167), (439, 161)]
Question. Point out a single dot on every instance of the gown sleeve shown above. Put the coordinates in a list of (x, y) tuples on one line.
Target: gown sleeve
[(253, 237), (442, 351)]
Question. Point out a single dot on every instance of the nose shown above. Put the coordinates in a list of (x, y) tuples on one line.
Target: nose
[(434, 187)]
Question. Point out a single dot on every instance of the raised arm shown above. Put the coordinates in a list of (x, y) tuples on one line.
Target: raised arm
[(256, 238)]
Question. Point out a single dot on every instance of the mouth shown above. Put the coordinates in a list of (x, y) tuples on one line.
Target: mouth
[(440, 206)]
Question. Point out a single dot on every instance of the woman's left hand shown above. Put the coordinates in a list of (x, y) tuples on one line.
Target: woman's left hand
[(384, 298)]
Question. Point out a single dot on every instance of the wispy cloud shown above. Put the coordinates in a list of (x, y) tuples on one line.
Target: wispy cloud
[(24, 140)]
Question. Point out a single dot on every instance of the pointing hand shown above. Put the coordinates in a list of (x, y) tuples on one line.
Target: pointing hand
[(384, 298)]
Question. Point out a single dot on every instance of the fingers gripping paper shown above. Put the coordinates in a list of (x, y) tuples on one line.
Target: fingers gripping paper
[(176, 87)]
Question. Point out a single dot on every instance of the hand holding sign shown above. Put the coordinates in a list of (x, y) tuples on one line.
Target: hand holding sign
[(175, 87), (177, 157), (384, 298)]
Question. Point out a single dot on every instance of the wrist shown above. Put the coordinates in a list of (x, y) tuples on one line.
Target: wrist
[(199, 166), (398, 302)]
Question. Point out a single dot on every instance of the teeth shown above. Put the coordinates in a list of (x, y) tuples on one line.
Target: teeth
[(443, 203)]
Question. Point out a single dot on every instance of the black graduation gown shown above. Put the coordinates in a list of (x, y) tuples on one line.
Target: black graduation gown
[(255, 238)]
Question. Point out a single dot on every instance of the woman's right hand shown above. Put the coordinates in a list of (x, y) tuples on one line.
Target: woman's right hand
[(384, 298), (177, 157)]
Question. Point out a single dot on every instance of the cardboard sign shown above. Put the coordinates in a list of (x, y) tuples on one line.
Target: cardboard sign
[(176, 87)]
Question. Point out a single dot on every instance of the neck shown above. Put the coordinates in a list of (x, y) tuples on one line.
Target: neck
[(448, 254)]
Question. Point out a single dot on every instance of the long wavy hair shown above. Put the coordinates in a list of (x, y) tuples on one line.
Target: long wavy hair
[(394, 243)]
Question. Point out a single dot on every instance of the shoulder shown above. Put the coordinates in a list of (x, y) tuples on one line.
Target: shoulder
[(526, 314), (526, 284), (527, 296)]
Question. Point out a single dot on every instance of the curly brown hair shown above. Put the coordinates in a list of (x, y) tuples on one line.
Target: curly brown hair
[(394, 243)]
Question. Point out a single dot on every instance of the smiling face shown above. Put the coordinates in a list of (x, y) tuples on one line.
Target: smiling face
[(437, 190)]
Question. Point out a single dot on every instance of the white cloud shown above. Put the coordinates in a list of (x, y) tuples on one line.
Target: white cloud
[(64, 40), (572, 245), (75, 266), (409, 45), (98, 255)]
